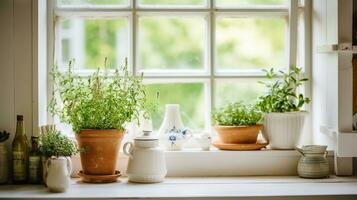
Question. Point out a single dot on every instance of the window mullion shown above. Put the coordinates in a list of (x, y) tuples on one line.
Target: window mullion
[(293, 23), (133, 34), (211, 62)]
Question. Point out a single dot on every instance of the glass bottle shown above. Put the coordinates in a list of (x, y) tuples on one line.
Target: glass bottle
[(20, 153), (35, 172)]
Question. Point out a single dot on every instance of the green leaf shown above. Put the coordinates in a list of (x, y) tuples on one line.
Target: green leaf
[(99, 101), (282, 96)]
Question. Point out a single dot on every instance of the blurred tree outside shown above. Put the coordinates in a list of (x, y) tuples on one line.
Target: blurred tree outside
[(190, 96)]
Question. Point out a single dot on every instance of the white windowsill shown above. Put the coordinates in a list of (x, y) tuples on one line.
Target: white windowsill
[(200, 188), (196, 163)]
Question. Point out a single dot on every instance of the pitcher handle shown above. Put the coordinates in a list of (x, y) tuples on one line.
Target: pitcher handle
[(326, 154), (187, 132), (300, 151), (128, 149), (69, 166)]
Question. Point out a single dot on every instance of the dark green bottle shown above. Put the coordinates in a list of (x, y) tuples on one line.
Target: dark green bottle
[(20, 153), (35, 172)]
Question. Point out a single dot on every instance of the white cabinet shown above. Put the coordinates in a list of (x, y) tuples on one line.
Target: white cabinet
[(332, 79)]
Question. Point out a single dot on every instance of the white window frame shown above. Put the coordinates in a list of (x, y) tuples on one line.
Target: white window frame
[(208, 75), (228, 163)]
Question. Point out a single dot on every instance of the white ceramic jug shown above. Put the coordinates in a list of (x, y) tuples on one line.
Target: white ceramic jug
[(58, 173), (146, 160)]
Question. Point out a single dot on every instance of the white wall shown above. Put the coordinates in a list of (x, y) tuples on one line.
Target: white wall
[(18, 64)]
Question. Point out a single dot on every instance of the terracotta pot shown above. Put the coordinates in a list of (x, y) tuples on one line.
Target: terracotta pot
[(238, 134), (99, 150)]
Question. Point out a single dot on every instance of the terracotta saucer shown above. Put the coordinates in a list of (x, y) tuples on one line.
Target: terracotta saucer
[(99, 178), (239, 147)]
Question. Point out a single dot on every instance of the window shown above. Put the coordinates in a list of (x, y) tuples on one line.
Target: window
[(200, 54)]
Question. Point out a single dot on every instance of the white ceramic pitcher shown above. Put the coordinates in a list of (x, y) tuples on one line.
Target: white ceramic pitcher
[(146, 160), (58, 173)]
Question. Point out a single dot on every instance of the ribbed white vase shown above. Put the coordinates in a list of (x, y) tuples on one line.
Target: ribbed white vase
[(283, 130)]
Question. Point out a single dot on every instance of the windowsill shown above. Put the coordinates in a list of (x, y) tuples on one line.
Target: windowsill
[(197, 163), (266, 187)]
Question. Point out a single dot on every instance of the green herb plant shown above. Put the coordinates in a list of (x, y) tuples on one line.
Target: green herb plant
[(54, 143), (282, 94), (237, 114), (100, 101)]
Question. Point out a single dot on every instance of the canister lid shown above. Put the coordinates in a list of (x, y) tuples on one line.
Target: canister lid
[(146, 136)]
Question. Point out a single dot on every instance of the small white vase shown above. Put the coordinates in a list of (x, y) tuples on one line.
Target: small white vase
[(58, 173), (283, 130), (172, 132)]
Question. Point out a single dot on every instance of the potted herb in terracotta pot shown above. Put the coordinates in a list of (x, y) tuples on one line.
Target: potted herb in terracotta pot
[(98, 107), (58, 148), (283, 118), (237, 123)]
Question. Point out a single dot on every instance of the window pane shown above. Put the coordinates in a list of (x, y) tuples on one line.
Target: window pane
[(89, 41), (250, 43), (228, 3), (232, 90), (190, 96), (92, 2), (171, 42), (165, 3)]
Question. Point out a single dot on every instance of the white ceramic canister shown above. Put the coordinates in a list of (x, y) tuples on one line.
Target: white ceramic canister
[(59, 171), (283, 130), (4, 163), (146, 160), (313, 162)]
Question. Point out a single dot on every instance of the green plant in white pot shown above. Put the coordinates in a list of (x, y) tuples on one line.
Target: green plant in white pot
[(282, 104)]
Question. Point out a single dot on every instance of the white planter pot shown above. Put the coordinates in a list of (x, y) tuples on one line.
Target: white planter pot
[(283, 130)]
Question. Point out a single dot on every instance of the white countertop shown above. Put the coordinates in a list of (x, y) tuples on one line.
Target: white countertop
[(198, 187)]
